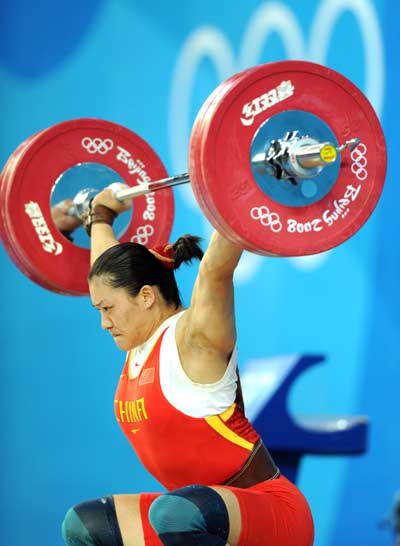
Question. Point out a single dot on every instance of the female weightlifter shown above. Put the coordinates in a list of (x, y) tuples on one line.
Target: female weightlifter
[(179, 403)]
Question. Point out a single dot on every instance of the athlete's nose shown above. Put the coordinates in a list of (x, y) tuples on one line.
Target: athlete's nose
[(106, 323)]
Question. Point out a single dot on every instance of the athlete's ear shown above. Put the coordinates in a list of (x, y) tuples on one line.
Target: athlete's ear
[(147, 296)]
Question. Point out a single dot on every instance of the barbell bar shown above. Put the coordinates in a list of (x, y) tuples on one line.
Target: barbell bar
[(305, 161)]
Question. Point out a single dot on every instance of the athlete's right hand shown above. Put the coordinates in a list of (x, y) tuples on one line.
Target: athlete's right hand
[(107, 199)]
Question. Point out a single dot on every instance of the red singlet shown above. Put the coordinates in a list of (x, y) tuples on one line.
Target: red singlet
[(175, 448)]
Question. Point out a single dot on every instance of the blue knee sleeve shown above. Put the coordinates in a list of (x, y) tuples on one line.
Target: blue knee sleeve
[(191, 516), (92, 523)]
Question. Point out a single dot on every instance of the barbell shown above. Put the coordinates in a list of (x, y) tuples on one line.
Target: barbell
[(285, 159)]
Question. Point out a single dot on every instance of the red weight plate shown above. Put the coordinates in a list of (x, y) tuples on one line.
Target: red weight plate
[(219, 160), (58, 263)]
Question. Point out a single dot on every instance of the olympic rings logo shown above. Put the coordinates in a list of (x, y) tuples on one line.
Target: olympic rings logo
[(97, 145), (142, 234), (267, 218), (360, 162)]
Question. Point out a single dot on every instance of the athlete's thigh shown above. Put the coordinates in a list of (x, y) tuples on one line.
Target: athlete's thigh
[(276, 514), (129, 518), (235, 519)]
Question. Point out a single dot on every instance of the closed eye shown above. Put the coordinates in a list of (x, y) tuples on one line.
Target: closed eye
[(106, 308)]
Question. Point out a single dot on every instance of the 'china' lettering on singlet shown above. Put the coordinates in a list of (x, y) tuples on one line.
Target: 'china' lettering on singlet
[(130, 411)]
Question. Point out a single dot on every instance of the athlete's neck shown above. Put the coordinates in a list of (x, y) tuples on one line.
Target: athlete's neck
[(161, 315)]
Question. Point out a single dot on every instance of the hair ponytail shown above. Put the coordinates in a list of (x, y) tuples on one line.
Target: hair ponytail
[(186, 249)]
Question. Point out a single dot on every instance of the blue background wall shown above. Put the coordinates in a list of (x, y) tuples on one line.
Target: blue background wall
[(150, 66)]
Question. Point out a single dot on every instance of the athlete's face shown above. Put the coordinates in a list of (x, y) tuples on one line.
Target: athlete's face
[(124, 316)]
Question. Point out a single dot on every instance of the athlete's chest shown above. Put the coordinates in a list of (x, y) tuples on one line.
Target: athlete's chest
[(138, 396)]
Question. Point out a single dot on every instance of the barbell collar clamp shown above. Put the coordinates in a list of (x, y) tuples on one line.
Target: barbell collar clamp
[(293, 157)]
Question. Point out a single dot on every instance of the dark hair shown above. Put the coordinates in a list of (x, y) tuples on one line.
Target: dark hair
[(132, 265)]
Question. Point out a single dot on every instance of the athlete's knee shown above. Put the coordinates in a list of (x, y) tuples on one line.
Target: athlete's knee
[(92, 523), (191, 515)]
